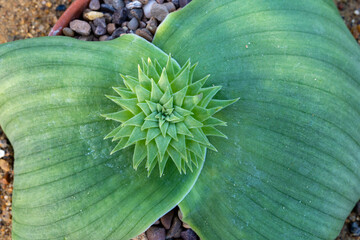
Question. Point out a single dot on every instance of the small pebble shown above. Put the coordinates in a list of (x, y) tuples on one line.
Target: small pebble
[(183, 3), (170, 6), (108, 17), (60, 8), (68, 32), (99, 31), (119, 16), (152, 25), (355, 229), (160, 1), (103, 38), (107, 8), (110, 28), (81, 27), (166, 219), (188, 235), (357, 12), (155, 233), (117, 4), (4, 165), (159, 12), (137, 13), (100, 22), (94, 5), (92, 15), (143, 2), (142, 24), (86, 38), (133, 24), (134, 4), (175, 227), (143, 32), (2, 153), (117, 32), (147, 8), (175, 2)]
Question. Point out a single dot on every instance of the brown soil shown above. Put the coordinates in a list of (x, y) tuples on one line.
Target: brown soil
[(21, 19)]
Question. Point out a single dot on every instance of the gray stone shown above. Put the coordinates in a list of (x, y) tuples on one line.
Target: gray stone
[(170, 6), (166, 219), (103, 38), (119, 16), (133, 24), (155, 233), (175, 227), (134, 4), (159, 12), (100, 22), (117, 32), (189, 235), (108, 17), (68, 32), (160, 1), (99, 31), (147, 8), (107, 8), (152, 25), (183, 3), (143, 32), (176, 3), (81, 27), (94, 5), (117, 4), (137, 13)]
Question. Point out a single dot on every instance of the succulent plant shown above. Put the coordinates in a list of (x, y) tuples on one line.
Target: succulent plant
[(289, 168)]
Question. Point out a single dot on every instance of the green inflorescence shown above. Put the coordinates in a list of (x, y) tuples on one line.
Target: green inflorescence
[(166, 115)]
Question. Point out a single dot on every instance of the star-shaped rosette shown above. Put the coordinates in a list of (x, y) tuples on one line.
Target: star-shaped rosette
[(166, 115)]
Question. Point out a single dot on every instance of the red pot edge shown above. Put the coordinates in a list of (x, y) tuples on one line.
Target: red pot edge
[(73, 11)]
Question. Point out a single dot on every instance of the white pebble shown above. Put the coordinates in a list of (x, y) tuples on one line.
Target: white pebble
[(2, 153), (147, 8), (134, 4), (357, 12)]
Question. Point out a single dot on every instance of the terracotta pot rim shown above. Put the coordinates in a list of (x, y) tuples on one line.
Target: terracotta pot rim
[(73, 11)]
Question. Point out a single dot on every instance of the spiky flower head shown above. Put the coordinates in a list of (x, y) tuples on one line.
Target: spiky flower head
[(166, 115)]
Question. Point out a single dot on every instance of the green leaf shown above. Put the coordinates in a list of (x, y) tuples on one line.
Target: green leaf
[(67, 185), (291, 166), (140, 152), (120, 116)]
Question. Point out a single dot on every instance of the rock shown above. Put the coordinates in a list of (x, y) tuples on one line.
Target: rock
[(99, 31), (100, 22), (108, 17), (94, 5), (81, 27), (147, 8), (119, 16), (117, 4), (124, 24), (176, 3), (134, 4), (355, 229), (86, 38), (159, 11), (110, 28), (117, 33), (60, 8), (143, 2), (170, 6), (189, 235), (152, 25), (137, 13), (107, 8), (68, 32), (93, 27), (133, 24), (4, 165), (155, 233), (175, 227), (183, 3), (160, 1), (143, 32), (103, 38), (166, 219), (92, 15), (142, 24)]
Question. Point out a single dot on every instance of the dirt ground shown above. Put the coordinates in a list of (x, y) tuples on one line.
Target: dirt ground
[(21, 19)]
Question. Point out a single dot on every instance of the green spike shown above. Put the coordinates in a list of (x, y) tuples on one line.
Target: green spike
[(152, 73), (183, 112), (152, 117), (166, 97), (217, 103), (144, 65), (120, 116), (151, 105), (189, 164), (191, 122), (169, 104), (162, 143), (149, 124), (208, 94), (194, 159), (214, 122), (158, 67), (137, 120), (180, 145), (151, 167), (202, 114), (199, 136), (128, 104), (162, 164), (191, 101), (156, 93), (121, 144), (113, 132), (145, 108), (179, 96), (143, 79), (151, 134), (184, 67), (130, 82), (124, 92), (192, 70), (195, 87), (181, 128), (124, 132), (164, 83), (163, 128), (211, 131), (194, 147), (174, 119), (139, 154), (141, 93), (152, 153), (175, 156), (181, 80), (172, 131), (183, 167), (136, 135), (170, 69)]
